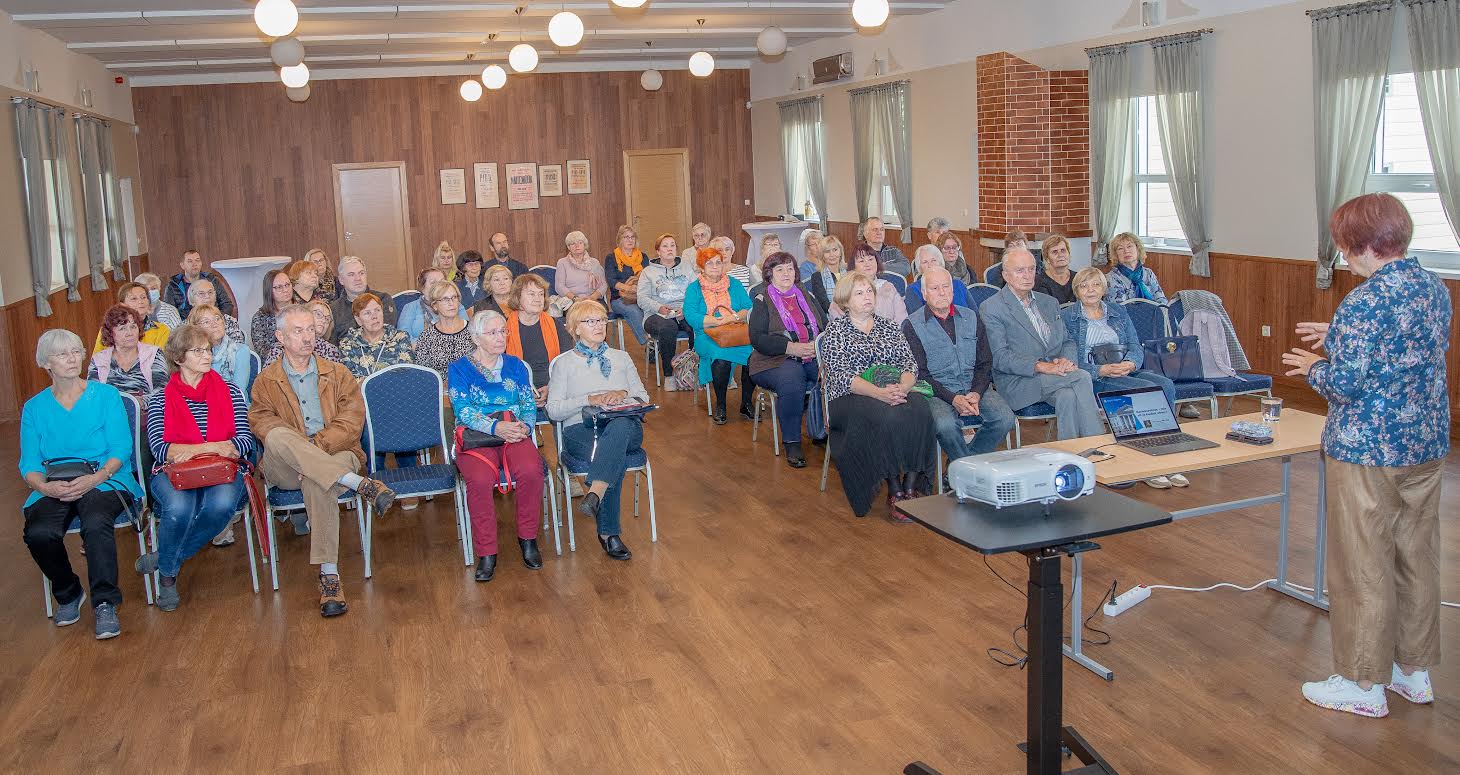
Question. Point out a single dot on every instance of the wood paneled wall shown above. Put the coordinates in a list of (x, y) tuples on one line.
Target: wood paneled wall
[(238, 170)]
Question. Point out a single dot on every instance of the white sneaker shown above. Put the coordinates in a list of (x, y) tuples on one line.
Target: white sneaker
[(224, 538), (1339, 693), (1177, 480), (1159, 482), (1414, 687), (409, 503), (671, 386)]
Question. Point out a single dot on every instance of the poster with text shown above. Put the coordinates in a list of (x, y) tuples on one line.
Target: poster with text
[(522, 186), (550, 179), (485, 175), (579, 177), (453, 187)]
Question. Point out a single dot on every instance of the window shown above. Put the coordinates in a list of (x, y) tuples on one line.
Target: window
[(879, 199), (53, 228), (1402, 167), (801, 203), (1153, 213)]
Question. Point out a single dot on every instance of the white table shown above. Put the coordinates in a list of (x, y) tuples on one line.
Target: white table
[(245, 276), (788, 231)]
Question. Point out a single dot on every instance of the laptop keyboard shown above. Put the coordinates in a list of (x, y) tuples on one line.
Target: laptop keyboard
[(1160, 441)]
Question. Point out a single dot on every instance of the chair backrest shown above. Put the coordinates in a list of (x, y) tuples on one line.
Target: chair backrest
[(1149, 318), (135, 426), (547, 272), (1177, 310), (403, 410), (255, 365), (898, 281), (978, 293), (993, 272), (404, 297)]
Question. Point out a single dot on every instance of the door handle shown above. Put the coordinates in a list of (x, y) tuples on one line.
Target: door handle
[(636, 220), (348, 235)]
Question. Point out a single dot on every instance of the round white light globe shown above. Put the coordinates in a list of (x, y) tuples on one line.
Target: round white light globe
[(276, 18), (296, 76), (628, 3), (287, 52), (869, 13), (471, 91), (565, 29), (494, 77), (651, 80), (298, 95), (701, 63), (522, 57), (771, 41)]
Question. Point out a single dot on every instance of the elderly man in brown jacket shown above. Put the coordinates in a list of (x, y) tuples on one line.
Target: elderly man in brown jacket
[(308, 412)]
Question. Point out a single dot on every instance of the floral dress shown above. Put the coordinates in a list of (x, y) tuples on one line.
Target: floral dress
[(363, 358)]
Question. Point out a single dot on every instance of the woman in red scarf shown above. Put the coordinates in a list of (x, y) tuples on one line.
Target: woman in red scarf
[(622, 272), (197, 413)]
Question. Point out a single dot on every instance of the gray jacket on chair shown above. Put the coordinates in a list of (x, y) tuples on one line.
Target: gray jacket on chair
[(1017, 347)]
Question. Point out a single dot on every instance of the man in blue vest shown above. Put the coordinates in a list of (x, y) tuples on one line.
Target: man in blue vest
[(954, 357)]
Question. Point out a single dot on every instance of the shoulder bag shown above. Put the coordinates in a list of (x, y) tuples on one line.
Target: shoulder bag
[(736, 334)]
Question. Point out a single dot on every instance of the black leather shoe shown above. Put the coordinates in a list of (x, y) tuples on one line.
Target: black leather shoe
[(720, 418), (486, 567), (821, 442), (589, 506), (531, 557), (615, 548), (748, 413), (794, 456)]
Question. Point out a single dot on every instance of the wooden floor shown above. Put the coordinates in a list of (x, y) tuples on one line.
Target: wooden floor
[(767, 632)]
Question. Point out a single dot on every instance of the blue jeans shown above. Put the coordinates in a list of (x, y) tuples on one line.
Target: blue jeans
[(998, 420), (789, 381), (1139, 379), (615, 442), (188, 519), (631, 315)]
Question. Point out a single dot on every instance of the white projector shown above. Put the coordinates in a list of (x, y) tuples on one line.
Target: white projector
[(1018, 476)]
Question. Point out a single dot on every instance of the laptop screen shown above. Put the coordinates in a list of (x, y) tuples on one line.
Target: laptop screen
[(1137, 412)]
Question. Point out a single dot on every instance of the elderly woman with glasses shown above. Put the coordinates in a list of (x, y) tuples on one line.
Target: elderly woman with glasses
[(326, 284), (278, 294), (941, 236), (925, 258), (468, 280), (447, 338), (890, 304), (715, 300), (533, 335), (202, 291), (308, 283), (373, 343), (499, 291), (491, 392), (415, 314), (593, 374), (324, 321), (1129, 277), (230, 360), (622, 271), (151, 332), (125, 362)]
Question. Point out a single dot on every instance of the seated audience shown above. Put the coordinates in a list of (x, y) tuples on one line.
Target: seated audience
[(416, 313), (176, 293), (202, 292), (1034, 356), (747, 276), (125, 362), (1018, 239), (230, 360), (822, 282), (1094, 323), (161, 311), (941, 236), (622, 273), (784, 324), (1129, 277), (593, 374), (199, 412), (889, 258), (484, 384), (770, 245), (278, 293), (926, 258), (308, 283), (469, 285), (323, 314), (879, 432), (328, 285), (354, 280), (951, 347), (309, 413), (714, 300), (579, 275), (134, 296), (811, 247), (533, 335), (76, 418), (699, 237), (499, 290), (373, 344), (890, 304), (661, 296), (501, 254), (444, 259), (447, 338), (1056, 280)]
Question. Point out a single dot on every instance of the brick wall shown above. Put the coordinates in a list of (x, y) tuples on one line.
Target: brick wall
[(1033, 147)]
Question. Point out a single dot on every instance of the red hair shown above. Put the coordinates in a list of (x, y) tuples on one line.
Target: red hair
[(1376, 222), (705, 255), (118, 315)]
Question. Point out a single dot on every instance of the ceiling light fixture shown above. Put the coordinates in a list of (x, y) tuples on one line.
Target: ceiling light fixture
[(287, 52), (869, 13), (276, 18), (701, 64), (771, 41), (297, 95), (565, 29), (471, 90), (494, 77), (522, 57), (295, 77), (651, 80), (629, 3)]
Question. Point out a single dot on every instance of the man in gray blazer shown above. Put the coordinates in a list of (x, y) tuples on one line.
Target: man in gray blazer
[(1034, 357)]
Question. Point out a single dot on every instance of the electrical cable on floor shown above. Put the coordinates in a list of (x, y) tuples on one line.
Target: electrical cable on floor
[(1258, 585), (1010, 659)]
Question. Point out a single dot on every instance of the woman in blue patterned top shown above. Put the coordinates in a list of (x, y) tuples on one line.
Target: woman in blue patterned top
[(1385, 441), (484, 384), (1129, 277)]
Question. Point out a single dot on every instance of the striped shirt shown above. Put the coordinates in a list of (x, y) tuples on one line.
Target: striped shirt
[(243, 439)]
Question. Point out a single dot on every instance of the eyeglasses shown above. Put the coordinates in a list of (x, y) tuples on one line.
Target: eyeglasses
[(594, 321), (199, 350), (208, 320), (284, 287), (448, 298)]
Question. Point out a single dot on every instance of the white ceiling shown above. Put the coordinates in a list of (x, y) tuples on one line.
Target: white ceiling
[(183, 41)]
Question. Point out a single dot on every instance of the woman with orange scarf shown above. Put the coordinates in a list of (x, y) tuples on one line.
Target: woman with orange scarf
[(714, 300), (622, 272), (532, 335)]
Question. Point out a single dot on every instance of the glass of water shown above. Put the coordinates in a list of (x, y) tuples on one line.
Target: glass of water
[(1272, 409)]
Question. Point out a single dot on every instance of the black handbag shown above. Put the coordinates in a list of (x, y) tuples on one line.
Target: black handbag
[(65, 469), (595, 417), (1176, 357), (1106, 354)]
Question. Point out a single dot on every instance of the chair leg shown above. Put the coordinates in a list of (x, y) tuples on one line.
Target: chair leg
[(464, 523), (568, 511), (938, 466), (46, 596), (755, 421), (775, 424), (826, 463), (152, 538), (653, 519), (550, 498), (273, 555), (146, 580), (637, 477), (253, 568), (365, 517), (1018, 433), (709, 402)]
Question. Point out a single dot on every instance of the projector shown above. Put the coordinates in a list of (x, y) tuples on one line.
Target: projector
[(1018, 476)]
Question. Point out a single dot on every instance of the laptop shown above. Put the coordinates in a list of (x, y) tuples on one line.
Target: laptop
[(1141, 420)]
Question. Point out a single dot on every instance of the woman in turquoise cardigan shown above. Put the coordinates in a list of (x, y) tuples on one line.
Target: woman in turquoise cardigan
[(715, 300)]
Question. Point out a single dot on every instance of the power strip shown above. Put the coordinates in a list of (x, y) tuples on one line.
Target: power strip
[(1127, 600)]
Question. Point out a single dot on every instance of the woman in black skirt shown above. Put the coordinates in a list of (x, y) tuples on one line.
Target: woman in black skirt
[(878, 434)]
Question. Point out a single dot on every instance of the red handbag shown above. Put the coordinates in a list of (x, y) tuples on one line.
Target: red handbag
[(208, 470)]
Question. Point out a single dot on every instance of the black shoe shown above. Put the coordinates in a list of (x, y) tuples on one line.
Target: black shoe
[(486, 567), (615, 548), (794, 456), (590, 505), (531, 557), (720, 418), (821, 442)]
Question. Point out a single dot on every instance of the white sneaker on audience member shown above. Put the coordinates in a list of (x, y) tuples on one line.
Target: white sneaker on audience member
[(1189, 412), (1177, 480), (1414, 687), (1159, 482), (1339, 693)]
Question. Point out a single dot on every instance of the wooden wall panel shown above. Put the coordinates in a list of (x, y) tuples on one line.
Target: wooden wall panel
[(238, 170)]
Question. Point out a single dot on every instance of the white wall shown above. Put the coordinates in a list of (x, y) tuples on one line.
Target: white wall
[(63, 72)]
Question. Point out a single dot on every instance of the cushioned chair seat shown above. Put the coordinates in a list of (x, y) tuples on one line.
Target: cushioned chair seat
[(577, 465), (1244, 382), (1189, 390), (283, 499), (413, 480), (1040, 409)]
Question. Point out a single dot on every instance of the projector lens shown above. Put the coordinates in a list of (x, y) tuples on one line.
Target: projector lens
[(1069, 481)]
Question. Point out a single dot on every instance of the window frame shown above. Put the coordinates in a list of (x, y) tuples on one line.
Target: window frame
[(1408, 183), (1138, 179)]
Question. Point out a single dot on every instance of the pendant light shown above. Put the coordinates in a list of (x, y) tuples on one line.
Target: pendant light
[(295, 77), (276, 18), (471, 90), (494, 77), (869, 13)]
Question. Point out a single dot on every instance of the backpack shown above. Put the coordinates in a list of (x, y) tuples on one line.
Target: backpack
[(1206, 326), (686, 368)]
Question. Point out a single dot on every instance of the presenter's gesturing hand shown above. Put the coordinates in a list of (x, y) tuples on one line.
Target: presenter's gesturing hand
[(1301, 361), (1313, 333)]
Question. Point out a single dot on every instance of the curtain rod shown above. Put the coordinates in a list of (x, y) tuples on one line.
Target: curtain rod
[(812, 98), (1153, 41), (1352, 8), (877, 86)]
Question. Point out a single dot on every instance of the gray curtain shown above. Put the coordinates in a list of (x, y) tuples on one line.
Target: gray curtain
[(1350, 60), (40, 132), (801, 150), (1434, 46), (1179, 112), (99, 197), (1110, 128), (880, 129)]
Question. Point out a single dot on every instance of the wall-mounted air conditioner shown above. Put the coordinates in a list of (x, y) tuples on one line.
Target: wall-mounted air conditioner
[(832, 68)]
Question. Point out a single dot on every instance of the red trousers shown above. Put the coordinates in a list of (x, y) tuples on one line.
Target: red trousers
[(524, 465)]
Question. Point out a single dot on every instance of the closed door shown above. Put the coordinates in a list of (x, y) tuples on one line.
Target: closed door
[(371, 216), (656, 187)]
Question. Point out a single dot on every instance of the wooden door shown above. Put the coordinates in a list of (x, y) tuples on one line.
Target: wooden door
[(656, 189), (373, 223)]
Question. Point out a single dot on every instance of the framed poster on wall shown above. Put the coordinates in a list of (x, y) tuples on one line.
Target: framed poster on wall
[(579, 177), (550, 177), (453, 187), (522, 186), (485, 176)]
